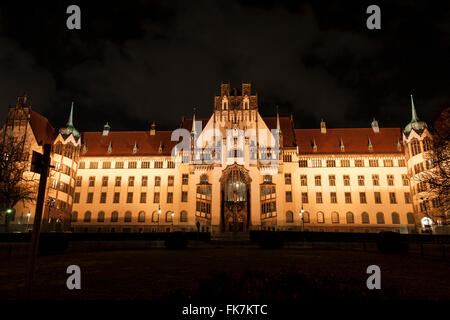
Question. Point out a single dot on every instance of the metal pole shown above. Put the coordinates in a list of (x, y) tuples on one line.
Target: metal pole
[(37, 219)]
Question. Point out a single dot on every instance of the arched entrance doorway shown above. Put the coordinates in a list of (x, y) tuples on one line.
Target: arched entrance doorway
[(235, 202)]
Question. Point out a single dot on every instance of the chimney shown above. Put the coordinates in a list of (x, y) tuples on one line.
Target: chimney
[(153, 129), (375, 126), (323, 127), (106, 129)]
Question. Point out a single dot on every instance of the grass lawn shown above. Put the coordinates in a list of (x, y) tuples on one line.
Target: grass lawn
[(218, 274)]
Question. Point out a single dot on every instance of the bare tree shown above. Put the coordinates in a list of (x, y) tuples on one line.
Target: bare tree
[(15, 184), (438, 177)]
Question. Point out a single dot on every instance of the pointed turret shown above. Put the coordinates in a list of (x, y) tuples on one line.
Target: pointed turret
[(193, 124), (70, 129), (278, 122), (414, 117), (415, 123), (375, 126), (70, 121)]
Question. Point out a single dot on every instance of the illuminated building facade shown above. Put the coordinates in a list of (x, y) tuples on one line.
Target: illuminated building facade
[(236, 171)]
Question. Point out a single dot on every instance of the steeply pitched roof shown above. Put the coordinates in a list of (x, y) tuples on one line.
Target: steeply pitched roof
[(355, 140), (42, 129), (123, 142), (286, 129)]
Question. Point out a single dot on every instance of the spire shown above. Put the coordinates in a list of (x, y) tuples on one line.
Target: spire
[(193, 123), (369, 145), (278, 122), (375, 126), (341, 145), (413, 111), (70, 121), (135, 148)]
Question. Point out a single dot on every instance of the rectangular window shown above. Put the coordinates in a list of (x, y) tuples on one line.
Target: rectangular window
[(362, 197), (106, 165), (287, 178), (130, 197), (170, 164), (392, 198), (185, 179), (390, 179), (405, 180), (158, 164), (377, 197), (332, 179), (93, 165), (304, 197), (319, 197), (317, 163), (288, 196), (333, 197), (170, 181), (78, 182), (375, 180), (348, 197), (91, 181), (407, 197), (169, 197), (82, 165), (143, 198), (118, 181), (90, 197), (145, 164), (346, 180), (116, 197), (132, 164), (345, 163), (157, 181), (304, 180), (359, 163), (76, 197), (184, 196), (373, 162), (331, 163), (131, 181), (318, 180), (103, 197), (401, 163), (144, 181), (156, 197), (360, 180), (388, 162), (104, 181), (119, 165), (303, 163)]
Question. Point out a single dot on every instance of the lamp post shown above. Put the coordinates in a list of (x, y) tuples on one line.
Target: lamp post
[(425, 204), (28, 220), (172, 214), (159, 215), (301, 216)]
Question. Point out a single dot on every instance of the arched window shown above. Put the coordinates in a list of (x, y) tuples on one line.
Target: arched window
[(114, 216), (169, 216), (127, 216), (415, 147), (365, 218), (289, 217), (235, 188), (334, 217), (74, 216), (183, 216), (380, 218), (306, 217), (101, 216), (350, 217), (320, 217), (87, 216), (395, 218), (141, 216), (155, 216), (410, 218)]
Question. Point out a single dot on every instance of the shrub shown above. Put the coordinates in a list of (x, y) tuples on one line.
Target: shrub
[(176, 240), (271, 240), (392, 242), (53, 243)]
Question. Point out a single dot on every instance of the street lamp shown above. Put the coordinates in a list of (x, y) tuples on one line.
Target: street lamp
[(427, 226), (28, 219), (301, 216), (159, 214), (172, 214)]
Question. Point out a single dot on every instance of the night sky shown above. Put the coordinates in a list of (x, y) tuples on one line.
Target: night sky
[(135, 62)]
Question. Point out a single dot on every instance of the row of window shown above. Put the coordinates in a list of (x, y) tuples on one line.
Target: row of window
[(348, 197), (128, 217), (130, 165), (130, 197), (346, 180), (349, 217), (131, 181), (417, 147), (331, 163)]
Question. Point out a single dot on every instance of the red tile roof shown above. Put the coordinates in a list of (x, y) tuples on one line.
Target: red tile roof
[(42, 129), (287, 129), (356, 140), (122, 143)]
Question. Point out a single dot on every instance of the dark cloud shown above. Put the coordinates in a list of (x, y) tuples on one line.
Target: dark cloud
[(142, 61)]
